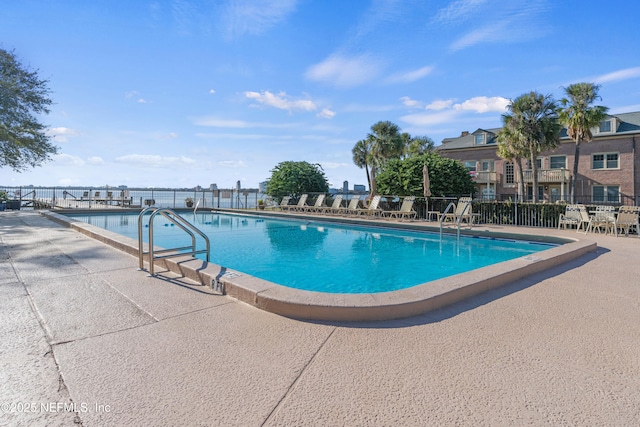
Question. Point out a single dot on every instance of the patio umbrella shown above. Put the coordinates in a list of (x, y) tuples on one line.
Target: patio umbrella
[(426, 182), (427, 185)]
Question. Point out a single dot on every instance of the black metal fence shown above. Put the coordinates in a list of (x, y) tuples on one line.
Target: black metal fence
[(497, 212), (85, 198)]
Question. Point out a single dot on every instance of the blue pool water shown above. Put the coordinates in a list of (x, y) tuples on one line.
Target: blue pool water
[(327, 257)]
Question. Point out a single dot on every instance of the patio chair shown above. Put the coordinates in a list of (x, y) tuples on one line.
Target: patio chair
[(571, 217), (406, 210), (585, 219), (351, 208), (335, 206), (284, 203), (603, 217), (302, 202), (463, 212), (319, 203), (628, 219), (372, 209)]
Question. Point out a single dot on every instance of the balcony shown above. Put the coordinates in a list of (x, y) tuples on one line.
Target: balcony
[(484, 177), (548, 175)]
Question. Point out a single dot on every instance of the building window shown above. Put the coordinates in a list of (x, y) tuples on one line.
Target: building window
[(486, 165), (480, 138), (488, 192), (604, 161), (605, 126), (558, 162), (509, 175), (606, 193), (470, 165)]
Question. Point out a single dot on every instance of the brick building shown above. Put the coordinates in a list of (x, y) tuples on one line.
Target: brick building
[(608, 170)]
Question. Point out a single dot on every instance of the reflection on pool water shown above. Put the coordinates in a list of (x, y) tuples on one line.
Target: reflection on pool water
[(327, 257)]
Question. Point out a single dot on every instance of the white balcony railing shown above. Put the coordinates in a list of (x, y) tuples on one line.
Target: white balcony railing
[(548, 175), (485, 177)]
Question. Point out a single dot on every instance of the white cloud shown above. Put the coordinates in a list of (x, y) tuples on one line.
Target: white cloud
[(440, 104), (344, 72), (142, 101), (502, 22), (410, 76), (68, 160), (170, 135), (448, 111), (61, 134), (488, 33), (154, 160), (458, 11), (628, 73), (326, 113), (411, 103), (255, 16), (426, 119), (218, 122), (281, 101), (95, 160), (483, 104), (212, 91)]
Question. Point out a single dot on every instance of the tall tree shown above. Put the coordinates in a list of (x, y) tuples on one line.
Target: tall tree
[(386, 143), (579, 116), (533, 122), (510, 148), (23, 96), (419, 145), (296, 178), (404, 177), (362, 157)]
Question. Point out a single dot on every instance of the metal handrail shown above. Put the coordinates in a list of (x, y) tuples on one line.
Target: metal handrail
[(441, 220), (177, 220), (459, 219)]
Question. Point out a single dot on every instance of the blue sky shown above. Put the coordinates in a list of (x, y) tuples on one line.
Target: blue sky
[(179, 93)]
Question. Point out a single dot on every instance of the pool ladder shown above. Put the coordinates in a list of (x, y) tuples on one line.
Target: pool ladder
[(452, 205), (156, 254)]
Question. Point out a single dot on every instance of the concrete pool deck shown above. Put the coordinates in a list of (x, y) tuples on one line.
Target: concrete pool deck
[(307, 305), (81, 329)]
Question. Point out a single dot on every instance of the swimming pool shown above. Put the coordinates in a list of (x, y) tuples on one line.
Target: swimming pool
[(319, 256)]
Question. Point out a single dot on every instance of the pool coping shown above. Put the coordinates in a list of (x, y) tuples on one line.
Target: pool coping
[(309, 305)]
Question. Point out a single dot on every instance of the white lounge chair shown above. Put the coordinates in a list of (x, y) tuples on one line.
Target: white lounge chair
[(319, 203), (284, 203), (334, 208), (351, 208), (462, 213), (302, 202), (372, 209), (406, 210)]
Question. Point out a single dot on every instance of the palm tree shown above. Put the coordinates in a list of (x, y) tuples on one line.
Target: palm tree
[(510, 148), (386, 142), (361, 157), (579, 117), (418, 145), (534, 127)]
